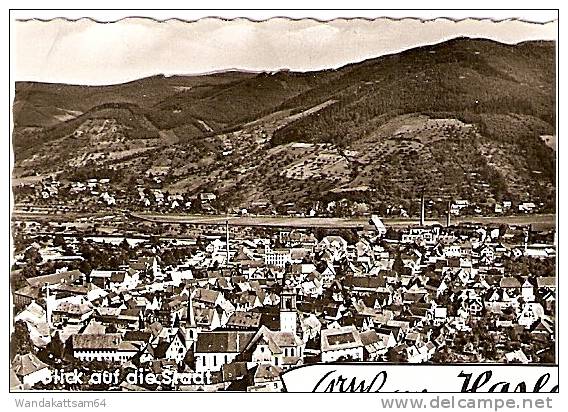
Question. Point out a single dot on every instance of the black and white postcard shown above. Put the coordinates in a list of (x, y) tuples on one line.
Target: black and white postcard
[(285, 204)]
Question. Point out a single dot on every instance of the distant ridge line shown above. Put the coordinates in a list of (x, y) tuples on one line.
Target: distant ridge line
[(237, 70)]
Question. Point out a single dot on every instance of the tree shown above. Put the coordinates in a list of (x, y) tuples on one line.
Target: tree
[(32, 255), (392, 234), (54, 351), (59, 240), (21, 342), (125, 245), (397, 355), (443, 356), (398, 265), (85, 267)]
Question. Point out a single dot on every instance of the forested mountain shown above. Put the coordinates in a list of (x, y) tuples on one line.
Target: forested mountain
[(463, 118)]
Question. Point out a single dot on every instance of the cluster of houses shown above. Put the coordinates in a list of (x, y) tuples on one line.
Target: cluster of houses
[(154, 197), (100, 192), (239, 312)]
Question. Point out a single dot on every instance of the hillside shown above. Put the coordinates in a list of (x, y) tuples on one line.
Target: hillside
[(472, 119)]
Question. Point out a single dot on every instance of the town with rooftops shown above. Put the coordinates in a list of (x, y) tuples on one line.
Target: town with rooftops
[(222, 204), (230, 307)]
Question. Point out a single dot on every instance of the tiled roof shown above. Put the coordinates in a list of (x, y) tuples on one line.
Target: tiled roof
[(61, 277), (546, 282), (223, 342), (206, 295), (99, 341), (340, 338), (509, 282), (27, 364), (244, 319)]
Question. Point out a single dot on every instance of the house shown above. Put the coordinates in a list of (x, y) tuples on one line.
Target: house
[(419, 353), (15, 383), (543, 326), (215, 349), (279, 348), (267, 377), (26, 295), (420, 235), (387, 336), (546, 282), (208, 298), (365, 284), (327, 275), (30, 370), (56, 278), (138, 338), (310, 326), (374, 346), (517, 356), (333, 312), (343, 343), (207, 197), (101, 278), (336, 245), (172, 349), (312, 288), (527, 292), (440, 315), (71, 312), (207, 318), (529, 314), (244, 321), (246, 301), (527, 207), (124, 280), (510, 283), (146, 265), (234, 374), (486, 254), (277, 257), (472, 304), (35, 318), (102, 347)]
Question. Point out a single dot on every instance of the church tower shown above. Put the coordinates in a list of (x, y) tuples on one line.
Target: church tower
[(288, 310)]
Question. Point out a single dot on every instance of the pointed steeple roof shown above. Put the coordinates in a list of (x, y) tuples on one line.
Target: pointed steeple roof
[(190, 313)]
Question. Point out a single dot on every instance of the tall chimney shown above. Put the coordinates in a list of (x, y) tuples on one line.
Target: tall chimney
[(449, 213), (422, 208), (227, 236)]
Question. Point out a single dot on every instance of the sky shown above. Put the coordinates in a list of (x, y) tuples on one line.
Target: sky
[(87, 52)]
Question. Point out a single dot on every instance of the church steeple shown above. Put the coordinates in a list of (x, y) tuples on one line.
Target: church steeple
[(288, 309), (191, 329)]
